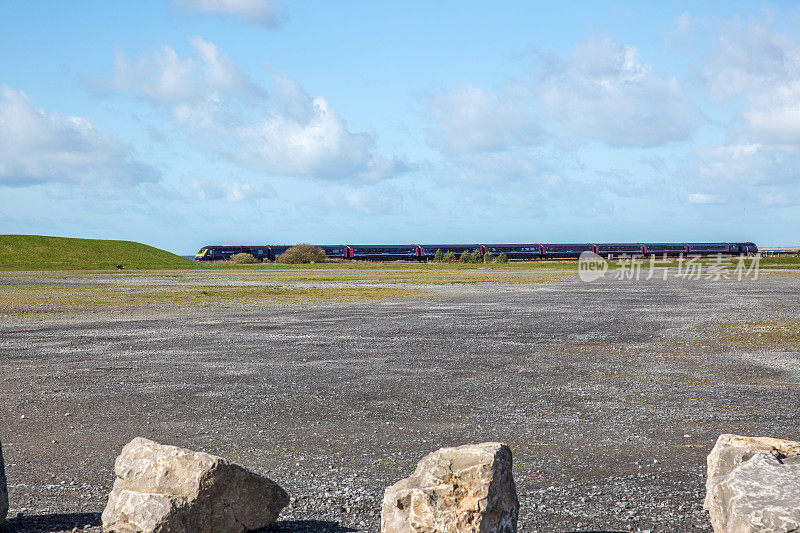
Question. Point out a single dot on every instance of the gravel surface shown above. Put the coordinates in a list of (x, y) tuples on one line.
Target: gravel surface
[(610, 394)]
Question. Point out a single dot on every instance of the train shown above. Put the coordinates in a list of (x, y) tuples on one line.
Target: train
[(532, 251)]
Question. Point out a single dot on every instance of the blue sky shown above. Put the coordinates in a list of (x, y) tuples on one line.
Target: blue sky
[(196, 122)]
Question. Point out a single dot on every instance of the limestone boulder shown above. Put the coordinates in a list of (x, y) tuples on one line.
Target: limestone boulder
[(464, 489), (3, 488), (167, 489), (753, 485)]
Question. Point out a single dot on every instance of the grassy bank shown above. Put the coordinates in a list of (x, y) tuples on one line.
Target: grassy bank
[(37, 252)]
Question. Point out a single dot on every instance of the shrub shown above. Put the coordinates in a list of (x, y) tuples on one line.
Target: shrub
[(466, 257), (243, 259), (438, 256), (302, 253), (449, 257), (475, 257), (487, 257), (502, 258)]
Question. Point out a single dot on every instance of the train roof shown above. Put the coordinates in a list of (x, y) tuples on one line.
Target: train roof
[(215, 246), (450, 245), (514, 244), (390, 246)]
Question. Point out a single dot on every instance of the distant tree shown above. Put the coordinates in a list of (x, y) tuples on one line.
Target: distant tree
[(475, 257), (438, 256), (466, 257), (449, 257), (302, 253), (244, 259), (502, 258), (488, 258)]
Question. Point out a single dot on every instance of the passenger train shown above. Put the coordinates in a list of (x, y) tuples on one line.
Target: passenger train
[(535, 251)]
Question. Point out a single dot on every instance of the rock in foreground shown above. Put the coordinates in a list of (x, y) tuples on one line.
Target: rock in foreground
[(3, 489), (465, 489), (753, 485), (170, 489)]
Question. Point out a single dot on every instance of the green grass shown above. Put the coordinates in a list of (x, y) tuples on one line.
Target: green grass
[(45, 298), (36, 252), (780, 262)]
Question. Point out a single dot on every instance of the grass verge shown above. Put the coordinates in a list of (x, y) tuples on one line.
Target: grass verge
[(37, 252)]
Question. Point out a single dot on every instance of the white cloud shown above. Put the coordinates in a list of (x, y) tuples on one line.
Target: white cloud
[(289, 133), (317, 145), (469, 119), (258, 12), (762, 65), (748, 58), (41, 147), (753, 64), (230, 191), (747, 173), (163, 76), (604, 92), (701, 198)]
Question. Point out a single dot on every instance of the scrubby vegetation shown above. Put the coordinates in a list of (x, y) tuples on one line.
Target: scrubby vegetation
[(302, 253), (438, 257), (244, 259), (502, 258), (38, 252)]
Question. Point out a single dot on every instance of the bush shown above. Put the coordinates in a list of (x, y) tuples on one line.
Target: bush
[(438, 256), (302, 253), (449, 257), (243, 259), (466, 257), (475, 257), (502, 258), (487, 257)]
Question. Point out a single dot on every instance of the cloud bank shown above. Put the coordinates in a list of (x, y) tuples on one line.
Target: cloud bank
[(39, 147), (281, 132)]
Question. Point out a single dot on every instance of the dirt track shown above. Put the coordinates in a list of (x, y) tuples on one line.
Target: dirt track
[(610, 394)]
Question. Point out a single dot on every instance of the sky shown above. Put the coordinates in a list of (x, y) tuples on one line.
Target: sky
[(187, 123)]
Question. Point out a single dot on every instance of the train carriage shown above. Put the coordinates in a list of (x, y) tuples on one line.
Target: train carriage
[(221, 253), (383, 252), (706, 248), (514, 251), (565, 251), (619, 248), (336, 251), (666, 248), (429, 250), (743, 248)]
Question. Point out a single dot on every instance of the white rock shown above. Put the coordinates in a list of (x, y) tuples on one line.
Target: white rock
[(465, 489), (753, 485), (3, 488), (167, 489)]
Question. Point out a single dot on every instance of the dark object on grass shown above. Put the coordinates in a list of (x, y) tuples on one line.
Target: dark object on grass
[(120, 267)]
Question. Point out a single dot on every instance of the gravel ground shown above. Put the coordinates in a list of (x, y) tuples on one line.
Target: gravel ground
[(610, 394)]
